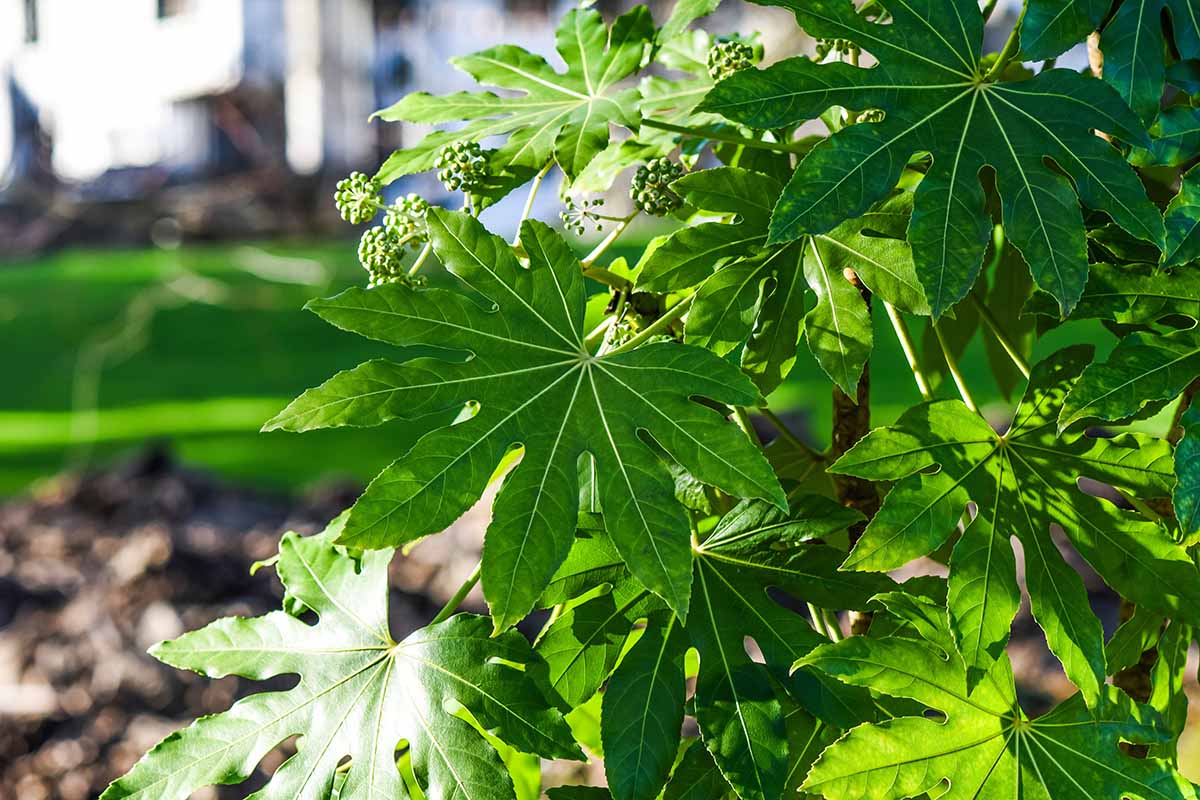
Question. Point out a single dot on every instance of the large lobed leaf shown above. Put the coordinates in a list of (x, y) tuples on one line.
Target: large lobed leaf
[(929, 82), (754, 293), (1024, 483), (983, 744), (744, 721), (564, 116), (361, 695), (529, 381)]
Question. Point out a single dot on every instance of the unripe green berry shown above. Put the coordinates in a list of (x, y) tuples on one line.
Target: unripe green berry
[(357, 197), (651, 187), (871, 115), (380, 254), (462, 166), (728, 58), (405, 220)]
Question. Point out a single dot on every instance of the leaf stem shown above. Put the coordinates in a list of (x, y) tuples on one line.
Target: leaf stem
[(607, 277), (910, 350), (454, 602), (952, 365), (1010, 49), (732, 138), (422, 257), (993, 325), (533, 192), (988, 9), (818, 621), (832, 624), (607, 241), (658, 326)]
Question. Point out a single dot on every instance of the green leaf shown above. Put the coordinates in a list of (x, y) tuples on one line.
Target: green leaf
[(1186, 495), (1183, 223), (1142, 373), (753, 548), (1167, 695), (928, 82), (697, 777), (360, 695), (1136, 635), (529, 381), (1133, 43), (685, 13), (1138, 294), (643, 711), (1024, 484), (564, 116), (1050, 27), (586, 641), (1176, 135), (984, 745), (753, 293)]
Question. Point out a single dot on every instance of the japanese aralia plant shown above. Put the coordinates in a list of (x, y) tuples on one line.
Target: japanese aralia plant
[(723, 617)]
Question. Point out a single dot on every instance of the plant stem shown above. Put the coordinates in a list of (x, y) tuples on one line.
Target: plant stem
[(952, 365), (658, 326), (910, 350), (832, 624), (607, 241), (1010, 49), (533, 191), (454, 602), (988, 9), (818, 621), (851, 422), (993, 325), (742, 418), (732, 138), (422, 257), (607, 277)]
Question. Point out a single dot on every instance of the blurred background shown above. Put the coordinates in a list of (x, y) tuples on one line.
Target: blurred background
[(166, 179)]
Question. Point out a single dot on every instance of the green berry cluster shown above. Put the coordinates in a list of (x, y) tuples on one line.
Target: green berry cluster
[(381, 255), (579, 214), (357, 197), (871, 115), (405, 220), (462, 166), (651, 190), (728, 58)]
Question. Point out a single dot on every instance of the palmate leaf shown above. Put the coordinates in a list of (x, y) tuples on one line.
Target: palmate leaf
[(741, 716), (929, 84), (530, 381), (1138, 294), (564, 116), (1024, 484), (753, 292), (984, 746), (361, 695), (1142, 374)]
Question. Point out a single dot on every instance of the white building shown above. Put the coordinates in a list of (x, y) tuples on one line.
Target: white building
[(191, 85)]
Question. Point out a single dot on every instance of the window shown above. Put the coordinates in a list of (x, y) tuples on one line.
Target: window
[(31, 21)]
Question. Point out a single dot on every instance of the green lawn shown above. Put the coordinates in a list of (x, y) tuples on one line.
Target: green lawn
[(200, 346)]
